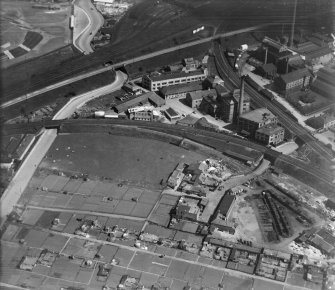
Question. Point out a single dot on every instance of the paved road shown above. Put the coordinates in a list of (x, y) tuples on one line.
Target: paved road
[(96, 21), (19, 182), (125, 62), (80, 100), (21, 179)]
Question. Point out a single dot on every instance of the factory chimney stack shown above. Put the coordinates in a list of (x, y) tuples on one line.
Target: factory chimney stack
[(241, 100)]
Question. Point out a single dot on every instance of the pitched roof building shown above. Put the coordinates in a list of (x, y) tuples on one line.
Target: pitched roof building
[(180, 90), (149, 97), (296, 79), (193, 99), (225, 206)]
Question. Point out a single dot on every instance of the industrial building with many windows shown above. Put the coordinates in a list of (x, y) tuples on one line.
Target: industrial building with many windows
[(180, 91), (294, 80), (270, 135), (155, 81), (250, 122)]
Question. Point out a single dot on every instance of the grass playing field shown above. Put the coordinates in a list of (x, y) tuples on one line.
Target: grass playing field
[(139, 161)]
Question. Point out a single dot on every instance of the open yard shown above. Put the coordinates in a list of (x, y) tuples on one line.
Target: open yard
[(118, 158), (248, 228)]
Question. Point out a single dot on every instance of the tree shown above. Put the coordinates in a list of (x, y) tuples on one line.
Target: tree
[(307, 98)]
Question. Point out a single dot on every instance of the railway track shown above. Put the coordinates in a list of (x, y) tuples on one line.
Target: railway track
[(226, 71), (218, 139)]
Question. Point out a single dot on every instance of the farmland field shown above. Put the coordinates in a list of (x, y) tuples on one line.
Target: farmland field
[(119, 158)]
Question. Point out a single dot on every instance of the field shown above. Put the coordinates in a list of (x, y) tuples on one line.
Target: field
[(118, 158), (34, 28)]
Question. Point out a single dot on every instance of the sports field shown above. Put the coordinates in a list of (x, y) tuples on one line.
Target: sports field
[(41, 30), (140, 162)]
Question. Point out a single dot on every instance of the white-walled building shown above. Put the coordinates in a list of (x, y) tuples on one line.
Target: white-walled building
[(156, 81)]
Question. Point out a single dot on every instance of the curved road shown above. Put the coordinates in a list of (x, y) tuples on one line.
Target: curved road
[(21, 179), (96, 21)]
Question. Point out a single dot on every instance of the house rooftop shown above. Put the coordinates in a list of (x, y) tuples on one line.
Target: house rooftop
[(258, 115)]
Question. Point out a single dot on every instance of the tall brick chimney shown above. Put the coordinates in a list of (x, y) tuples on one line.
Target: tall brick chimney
[(266, 55), (241, 100)]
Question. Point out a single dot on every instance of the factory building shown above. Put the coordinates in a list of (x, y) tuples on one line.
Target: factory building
[(315, 54), (225, 206), (143, 116), (321, 123), (274, 51), (250, 122), (226, 106), (155, 81), (325, 84), (194, 99), (322, 40), (294, 80), (146, 98), (231, 105), (180, 91), (270, 135)]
